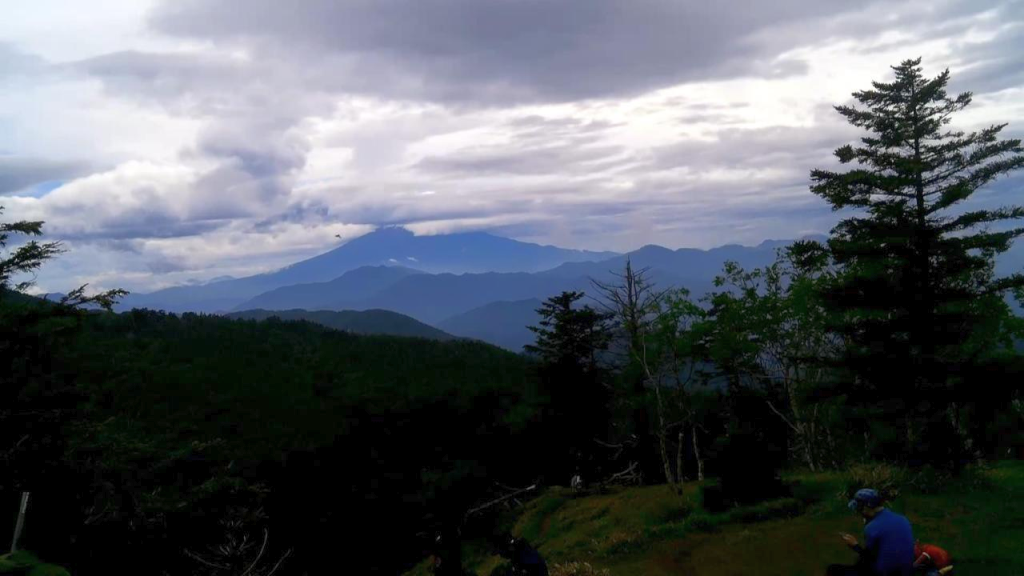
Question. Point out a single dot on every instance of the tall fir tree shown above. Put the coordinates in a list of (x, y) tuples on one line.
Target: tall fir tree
[(918, 301), (568, 334), (570, 342)]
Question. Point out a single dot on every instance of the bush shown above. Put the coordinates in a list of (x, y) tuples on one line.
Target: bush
[(700, 522), (891, 480), (577, 569), (784, 508), (887, 479), (928, 479)]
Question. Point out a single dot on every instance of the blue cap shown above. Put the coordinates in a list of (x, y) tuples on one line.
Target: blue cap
[(865, 498)]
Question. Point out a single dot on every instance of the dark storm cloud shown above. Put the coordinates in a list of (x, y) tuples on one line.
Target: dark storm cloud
[(18, 173), (504, 50)]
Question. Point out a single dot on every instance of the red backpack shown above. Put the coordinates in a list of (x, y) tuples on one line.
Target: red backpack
[(933, 555)]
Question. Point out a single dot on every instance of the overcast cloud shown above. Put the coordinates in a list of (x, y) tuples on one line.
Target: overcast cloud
[(180, 140)]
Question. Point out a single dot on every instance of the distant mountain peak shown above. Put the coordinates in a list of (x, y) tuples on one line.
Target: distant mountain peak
[(391, 246), (650, 249)]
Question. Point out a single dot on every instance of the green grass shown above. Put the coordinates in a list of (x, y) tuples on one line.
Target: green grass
[(652, 531), (26, 563)]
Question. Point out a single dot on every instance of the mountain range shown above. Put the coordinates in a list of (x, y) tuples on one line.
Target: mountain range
[(472, 285), (473, 252)]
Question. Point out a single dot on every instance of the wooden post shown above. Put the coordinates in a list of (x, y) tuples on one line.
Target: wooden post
[(20, 523)]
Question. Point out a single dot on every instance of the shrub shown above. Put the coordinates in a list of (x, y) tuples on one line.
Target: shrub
[(700, 522), (928, 479), (784, 508), (577, 569), (887, 479)]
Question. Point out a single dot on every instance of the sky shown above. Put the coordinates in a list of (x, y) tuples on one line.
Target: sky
[(175, 141)]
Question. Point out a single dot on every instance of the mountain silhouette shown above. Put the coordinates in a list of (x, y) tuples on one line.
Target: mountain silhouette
[(503, 324), (432, 298), (491, 306), (354, 285), (454, 253)]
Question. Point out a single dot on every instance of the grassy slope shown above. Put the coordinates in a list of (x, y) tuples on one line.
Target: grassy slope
[(653, 532), (24, 563)]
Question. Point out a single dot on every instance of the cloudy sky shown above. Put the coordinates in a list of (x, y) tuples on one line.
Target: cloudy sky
[(180, 140)]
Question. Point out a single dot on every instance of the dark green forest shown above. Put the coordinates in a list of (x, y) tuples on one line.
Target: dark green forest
[(356, 322), (195, 444), (144, 435)]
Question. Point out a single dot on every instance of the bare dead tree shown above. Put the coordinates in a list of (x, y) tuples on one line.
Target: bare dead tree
[(632, 300)]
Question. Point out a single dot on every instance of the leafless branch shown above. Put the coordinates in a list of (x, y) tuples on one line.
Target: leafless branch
[(202, 560), (278, 565), (500, 500), (781, 415), (263, 548)]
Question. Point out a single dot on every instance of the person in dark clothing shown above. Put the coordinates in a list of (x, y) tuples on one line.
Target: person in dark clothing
[(525, 559), (888, 548)]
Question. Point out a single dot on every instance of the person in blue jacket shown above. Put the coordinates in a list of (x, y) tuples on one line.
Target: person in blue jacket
[(888, 548), (524, 559)]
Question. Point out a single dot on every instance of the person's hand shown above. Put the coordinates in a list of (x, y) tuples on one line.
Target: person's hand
[(849, 539)]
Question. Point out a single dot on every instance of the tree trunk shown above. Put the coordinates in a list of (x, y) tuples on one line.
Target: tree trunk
[(646, 456), (662, 441), (804, 435), (831, 447), (679, 458), (808, 450), (696, 454)]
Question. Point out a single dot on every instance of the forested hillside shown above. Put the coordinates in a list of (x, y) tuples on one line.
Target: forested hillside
[(381, 322), (177, 425)]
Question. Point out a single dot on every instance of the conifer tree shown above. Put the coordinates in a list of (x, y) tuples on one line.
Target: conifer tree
[(570, 342), (918, 300)]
